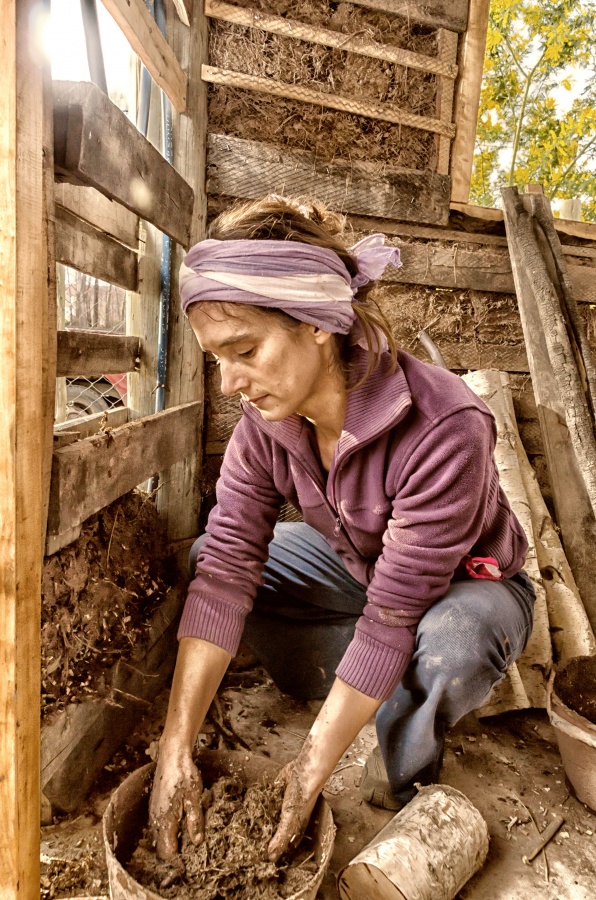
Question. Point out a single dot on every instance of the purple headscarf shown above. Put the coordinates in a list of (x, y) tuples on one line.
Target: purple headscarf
[(309, 283)]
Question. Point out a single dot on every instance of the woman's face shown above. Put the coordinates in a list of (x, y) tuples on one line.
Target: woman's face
[(278, 371)]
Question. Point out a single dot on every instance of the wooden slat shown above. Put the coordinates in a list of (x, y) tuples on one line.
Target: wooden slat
[(467, 98), (445, 90), (86, 426), (354, 43), (584, 230), (91, 474), (23, 274), (451, 14), (385, 112), (88, 204), (249, 169), (151, 47), (484, 269), (96, 145), (83, 247), (90, 354)]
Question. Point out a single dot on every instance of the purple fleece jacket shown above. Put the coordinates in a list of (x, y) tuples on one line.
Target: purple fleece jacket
[(412, 490)]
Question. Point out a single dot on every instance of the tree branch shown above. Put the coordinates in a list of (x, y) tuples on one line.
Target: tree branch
[(573, 162), (522, 113)]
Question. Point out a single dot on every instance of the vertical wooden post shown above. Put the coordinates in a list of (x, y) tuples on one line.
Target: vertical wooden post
[(179, 497), (447, 53), (23, 286), (467, 99)]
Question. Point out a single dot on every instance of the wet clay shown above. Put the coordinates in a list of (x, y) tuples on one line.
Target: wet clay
[(232, 860), (575, 685)]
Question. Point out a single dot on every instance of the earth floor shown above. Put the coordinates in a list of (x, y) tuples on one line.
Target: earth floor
[(509, 767)]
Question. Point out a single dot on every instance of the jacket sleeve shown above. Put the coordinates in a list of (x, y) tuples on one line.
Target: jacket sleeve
[(239, 530), (439, 507)]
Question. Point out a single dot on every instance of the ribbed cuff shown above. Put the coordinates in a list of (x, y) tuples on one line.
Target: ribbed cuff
[(372, 668), (213, 620)]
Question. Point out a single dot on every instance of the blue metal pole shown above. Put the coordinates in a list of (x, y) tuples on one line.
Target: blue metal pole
[(93, 41)]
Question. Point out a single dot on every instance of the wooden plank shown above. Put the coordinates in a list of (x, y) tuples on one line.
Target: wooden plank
[(451, 14), (179, 494), (147, 41), (95, 144), (249, 169), (85, 426), (444, 65), (90, 474), (23, 310), (445, 91), (385, 112), (83, 247), (467, 98), (184, 10), (92, 354), (104, 214), (585, 230), (482, 269)]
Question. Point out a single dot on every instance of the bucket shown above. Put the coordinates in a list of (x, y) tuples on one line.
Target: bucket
[(427, 851), (576, 735), (127, 813)]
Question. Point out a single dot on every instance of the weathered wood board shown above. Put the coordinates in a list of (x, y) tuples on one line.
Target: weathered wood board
[(96, 144), (92, 354), (98, 210), (250, 170), (451, 14), (83, 247), (90, 474), (85, 426)]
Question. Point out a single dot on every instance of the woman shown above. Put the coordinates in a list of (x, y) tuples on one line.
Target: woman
[(404, 579)]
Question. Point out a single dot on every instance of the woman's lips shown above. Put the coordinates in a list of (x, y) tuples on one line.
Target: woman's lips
[(258, 400)]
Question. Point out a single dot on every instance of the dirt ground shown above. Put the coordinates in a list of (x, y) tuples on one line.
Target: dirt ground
[(509, 767)]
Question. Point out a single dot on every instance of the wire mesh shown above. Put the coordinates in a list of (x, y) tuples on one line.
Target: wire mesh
[(92, 305)]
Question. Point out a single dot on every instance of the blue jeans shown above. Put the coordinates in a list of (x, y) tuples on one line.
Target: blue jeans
[(303, 620)]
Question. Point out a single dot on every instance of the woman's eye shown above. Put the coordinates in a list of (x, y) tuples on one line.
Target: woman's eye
[(247, 354)]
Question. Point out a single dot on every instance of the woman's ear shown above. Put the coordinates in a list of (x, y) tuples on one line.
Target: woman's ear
[(321, 337)]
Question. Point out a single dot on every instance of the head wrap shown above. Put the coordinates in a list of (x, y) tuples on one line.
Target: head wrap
[(309, 283)]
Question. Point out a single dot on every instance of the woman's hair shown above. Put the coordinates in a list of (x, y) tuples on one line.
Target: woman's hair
[(293, 219)]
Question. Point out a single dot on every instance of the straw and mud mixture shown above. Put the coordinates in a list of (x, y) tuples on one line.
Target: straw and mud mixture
[(297, 125), (232, 860)]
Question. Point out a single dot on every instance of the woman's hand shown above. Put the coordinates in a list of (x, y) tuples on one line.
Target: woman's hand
[(177, 792), (343, 714)]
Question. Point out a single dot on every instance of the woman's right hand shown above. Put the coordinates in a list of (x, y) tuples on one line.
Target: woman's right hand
[(176, 796)]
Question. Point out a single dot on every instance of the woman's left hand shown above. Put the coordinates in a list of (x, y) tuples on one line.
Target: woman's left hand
[(297, 806)]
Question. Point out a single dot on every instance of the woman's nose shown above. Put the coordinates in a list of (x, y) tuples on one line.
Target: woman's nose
[(232, 380)]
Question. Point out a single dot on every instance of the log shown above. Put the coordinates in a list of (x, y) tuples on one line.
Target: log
[(147, 41), (452, 14), (428, 851), (104, 214), (92, 354), (250, 169), (90, 474), (526, 257), (536, 661), (83, 247), (444, 65), (385, 112), (96, 144), (570, 628), (77, 744), (573, 510)]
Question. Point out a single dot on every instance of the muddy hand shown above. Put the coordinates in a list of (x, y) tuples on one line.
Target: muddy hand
[(177, 792), (295, 813)]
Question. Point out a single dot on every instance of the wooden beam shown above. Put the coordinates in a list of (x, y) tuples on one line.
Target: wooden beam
[(86, 426), (250, 169), (93, 354), (83, 247), (96, 145), (353, 43), (385, 112), (585, 230), (104, 214), (179, 494), (451, 14), (147, 41), (23, 312), (467, 98), (90, 474)]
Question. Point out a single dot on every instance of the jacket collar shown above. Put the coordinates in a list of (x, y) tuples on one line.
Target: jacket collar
[(375, 407)]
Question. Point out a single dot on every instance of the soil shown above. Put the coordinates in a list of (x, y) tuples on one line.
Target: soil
[(98, 595), (232, 860), (575, 685), (327, 133)]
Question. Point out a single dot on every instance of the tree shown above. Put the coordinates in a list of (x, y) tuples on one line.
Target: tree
[(534, 54)]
